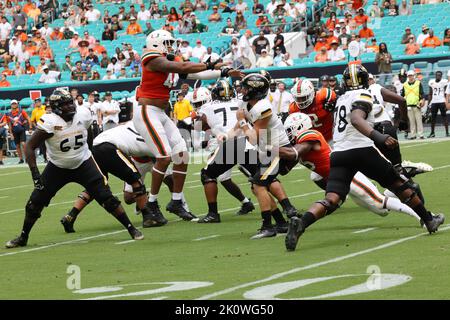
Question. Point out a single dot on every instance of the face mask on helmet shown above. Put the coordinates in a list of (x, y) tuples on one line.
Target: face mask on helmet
[(355, 77), (295, 124), (62, 104), (254, 87)]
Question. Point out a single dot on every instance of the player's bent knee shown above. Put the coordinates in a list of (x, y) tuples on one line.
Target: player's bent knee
[(139, 190), (85, 197), (205, 178), (111, 204), (128, 197), (33, 210), (330, 206)]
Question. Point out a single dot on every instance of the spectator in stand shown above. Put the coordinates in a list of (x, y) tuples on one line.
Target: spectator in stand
[(133, 28), (279, 12), (186, 5), (383, 60), (104, 62), (228, 7), (257, 8), (235, 53), (83, 48), (210, 55), (197, 26), (29, 69), (144, 14), (116, 25), (109, 75), (446, 39), (229, 29), (215, 16), (335, 53), (108, 34), (67, 66), (136, 73), (421, 37), (73, 44), (244, 49), (322, 55), (18, 70), (109, 111), (6, 70), (46, 31), (132, 13), (90, 39), (278, 41), (92, 14), (412, 47), (114, 66), (431, 41), (5, 28), (45, 51), (260, 43), (98, 48), (199, 50), (271, 6), (414, 95), (393, 8), (4, 50), (20, 19), (52, 66), (329, 9), (16, 50), (357, 4), (121, 60), (331, 22), (56, 34), (366, 32), (185, 50), (184, 27), (241, 6), (92, 58), (3, 82), (41, 65), (49, 76), (240, 22), (34, 13), (20, 33), (258, 21), (405, 9), (122, 74), (200, 5), (173, 15), (406, 35), (31, 49), (375, 11), (264, 60), (106, 19), (321, 42), (73, 20), (155, 12), (37, 39), (149, 29), (360, 18), (18, 121), (373, 47), (77, 72)]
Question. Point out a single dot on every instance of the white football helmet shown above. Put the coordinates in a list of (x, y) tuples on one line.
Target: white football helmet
[(161, 40), (304, 93), (201, 96), (295, 124)]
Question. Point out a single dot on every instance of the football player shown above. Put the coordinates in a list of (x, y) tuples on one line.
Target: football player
[(159, 74), (314, 154), (354, 150), (263, 129), (66, 132), (112, 151), (436, 98), (219, 116)]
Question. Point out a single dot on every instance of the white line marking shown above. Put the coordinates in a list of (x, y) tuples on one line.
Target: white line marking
[(17, 187), (364, 230), (125, 242), (12, 173), (208, 237), (318, 264), (442, 167), (197, 186), (158, 298), (4, 197)]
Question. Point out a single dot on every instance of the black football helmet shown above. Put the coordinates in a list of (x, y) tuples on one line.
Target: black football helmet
[(355, 77), (266, 74), (254, 86), (222, 91), (402, 75), (62, 104)]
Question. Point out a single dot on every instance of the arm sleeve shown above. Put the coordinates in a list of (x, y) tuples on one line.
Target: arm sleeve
[(205, 75)]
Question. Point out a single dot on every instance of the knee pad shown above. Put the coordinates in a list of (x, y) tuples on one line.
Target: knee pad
[(140, 190), (111, 204), (205, 178), (407, 185), (330, 208), (33, 210), (85, 197)]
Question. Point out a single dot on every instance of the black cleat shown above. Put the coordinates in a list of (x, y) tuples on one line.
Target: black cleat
[(210, 218), (20, 241), (246, 208), (136, 234), (21, 161), (295, 230), (433, 225), (432, 135), (282, 227), (291, 212), (67, 221), (176, 207), (265, 232), (152, 215)]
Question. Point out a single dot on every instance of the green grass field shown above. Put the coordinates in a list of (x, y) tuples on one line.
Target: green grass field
[(187, 260)]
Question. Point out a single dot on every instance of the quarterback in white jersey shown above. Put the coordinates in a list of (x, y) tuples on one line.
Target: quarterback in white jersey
[(65, 132), (438, 87), (354, 151)]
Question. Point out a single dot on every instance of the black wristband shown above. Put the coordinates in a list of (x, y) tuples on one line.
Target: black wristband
[(378, 137), (209, 65)]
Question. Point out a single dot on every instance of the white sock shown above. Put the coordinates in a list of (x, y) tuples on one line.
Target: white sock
[(152, 197), (245, 200), (396, 205), (177, 196)]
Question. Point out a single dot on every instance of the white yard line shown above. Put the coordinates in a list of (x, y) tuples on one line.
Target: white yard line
[(125, 242), (364, 230), (12, 173), (442, 167), (318, 264), (208, 237), (17, 187), (3, 197)]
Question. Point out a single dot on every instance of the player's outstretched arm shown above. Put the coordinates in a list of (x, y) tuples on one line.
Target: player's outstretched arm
[(161, 64)]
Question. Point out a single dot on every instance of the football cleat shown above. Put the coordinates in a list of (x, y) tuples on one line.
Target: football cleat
[(295, 230), (67, 221), (176, 207), (136, 234), (433, 225), (20, 241), (291, 212), (415, 168), (265, 232), (153, 216), (246, 208), (282, 227), (210, 218)]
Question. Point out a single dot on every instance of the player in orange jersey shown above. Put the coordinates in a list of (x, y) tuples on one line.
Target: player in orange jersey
[(314, 153), (319, 106), (159, 75)]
